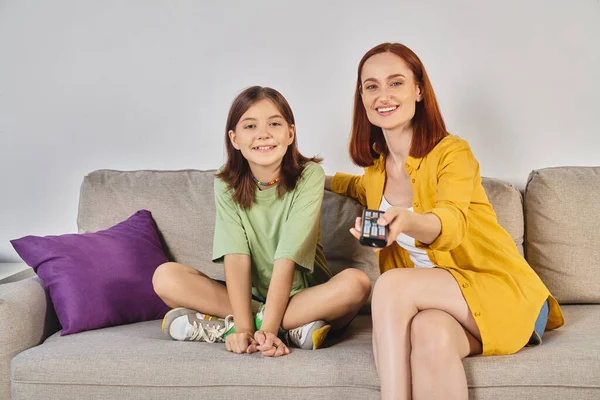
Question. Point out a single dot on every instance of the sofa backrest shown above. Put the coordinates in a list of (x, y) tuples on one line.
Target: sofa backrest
[(182, 204), (339, 213), (562, 214)]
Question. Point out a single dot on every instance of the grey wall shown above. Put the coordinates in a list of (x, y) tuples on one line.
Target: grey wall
[(147, 85)]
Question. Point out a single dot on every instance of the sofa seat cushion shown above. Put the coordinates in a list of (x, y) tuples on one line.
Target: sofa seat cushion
[(111, 360), (139, 354), (569, 358)]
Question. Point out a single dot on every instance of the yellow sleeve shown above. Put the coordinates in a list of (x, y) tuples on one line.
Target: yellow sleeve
[(455, 174), (351, 186)]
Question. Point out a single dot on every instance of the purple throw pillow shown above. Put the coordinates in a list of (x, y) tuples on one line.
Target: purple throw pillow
[(99, 279)]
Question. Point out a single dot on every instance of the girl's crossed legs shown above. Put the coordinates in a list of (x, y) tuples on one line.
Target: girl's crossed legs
[(336, 301)]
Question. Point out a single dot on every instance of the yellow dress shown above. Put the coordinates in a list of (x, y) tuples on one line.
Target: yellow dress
[(503, 292)]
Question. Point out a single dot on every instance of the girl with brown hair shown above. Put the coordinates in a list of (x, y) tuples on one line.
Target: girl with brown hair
[(268, 235)]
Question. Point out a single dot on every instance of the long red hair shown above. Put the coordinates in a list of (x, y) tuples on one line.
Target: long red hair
[(367, 142), (236, 172)]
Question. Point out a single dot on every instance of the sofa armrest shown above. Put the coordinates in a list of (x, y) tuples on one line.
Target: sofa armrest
[(27, 319)]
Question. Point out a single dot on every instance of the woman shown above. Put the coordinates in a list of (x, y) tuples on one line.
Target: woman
[(470, 291)]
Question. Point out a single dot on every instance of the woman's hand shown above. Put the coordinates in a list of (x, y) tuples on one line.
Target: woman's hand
[(397, 220), (241, 342), (270, 345)]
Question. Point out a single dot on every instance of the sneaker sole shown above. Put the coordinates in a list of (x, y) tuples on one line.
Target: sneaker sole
[(171, 315), (319, 335)]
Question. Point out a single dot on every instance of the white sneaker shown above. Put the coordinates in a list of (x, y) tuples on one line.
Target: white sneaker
[(189, 325), (309, 336)]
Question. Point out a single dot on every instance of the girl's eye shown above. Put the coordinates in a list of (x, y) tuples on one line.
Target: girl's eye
[(275, 124), (371, 87), (250, 126)]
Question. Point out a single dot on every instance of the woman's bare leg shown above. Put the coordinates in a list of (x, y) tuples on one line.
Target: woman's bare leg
[(398, 296), (439, 343)]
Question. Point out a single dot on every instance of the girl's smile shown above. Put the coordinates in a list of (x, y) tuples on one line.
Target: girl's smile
[(262, 136)]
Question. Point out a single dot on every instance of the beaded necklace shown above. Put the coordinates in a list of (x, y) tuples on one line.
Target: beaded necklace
[(261, 183)]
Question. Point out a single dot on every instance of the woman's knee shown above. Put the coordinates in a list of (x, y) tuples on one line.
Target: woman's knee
[(391, 288), (432, 336)]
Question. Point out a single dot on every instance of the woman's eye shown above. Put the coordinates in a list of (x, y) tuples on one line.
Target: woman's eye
[(250, 126), (275, 124), (371, 87), (396, 83)]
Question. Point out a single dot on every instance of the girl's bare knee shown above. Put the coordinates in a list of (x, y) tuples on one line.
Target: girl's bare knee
[(163, 277), (357, 285)]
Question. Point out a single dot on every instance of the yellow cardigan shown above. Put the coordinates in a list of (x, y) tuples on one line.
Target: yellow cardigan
[(503, 292)]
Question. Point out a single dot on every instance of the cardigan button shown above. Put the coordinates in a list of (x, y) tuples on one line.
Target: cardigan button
[(465, 285), (477, 314), (416, 204), (413, 181)]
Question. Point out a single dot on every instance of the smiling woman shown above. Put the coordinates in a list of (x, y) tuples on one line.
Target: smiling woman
[(453, 283), (393, 89)]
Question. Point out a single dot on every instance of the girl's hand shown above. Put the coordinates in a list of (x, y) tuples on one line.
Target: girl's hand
[(270, 345), (395, 218), (240, 342)]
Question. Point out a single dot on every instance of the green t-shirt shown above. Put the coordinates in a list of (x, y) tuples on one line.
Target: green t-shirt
[(273, 228)]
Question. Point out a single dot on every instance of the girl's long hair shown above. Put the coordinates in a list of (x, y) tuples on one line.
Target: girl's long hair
[(236, 172)]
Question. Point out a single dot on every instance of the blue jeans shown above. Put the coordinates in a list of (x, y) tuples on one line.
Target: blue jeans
[(540, 326)]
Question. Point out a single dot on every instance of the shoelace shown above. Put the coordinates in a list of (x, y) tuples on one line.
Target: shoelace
[(295, 335), (210, 333)]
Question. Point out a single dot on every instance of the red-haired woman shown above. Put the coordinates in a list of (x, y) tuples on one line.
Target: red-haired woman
[(268, 234), (453, 283)]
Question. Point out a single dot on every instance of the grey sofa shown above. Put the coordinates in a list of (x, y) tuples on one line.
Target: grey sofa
[(559, 217)]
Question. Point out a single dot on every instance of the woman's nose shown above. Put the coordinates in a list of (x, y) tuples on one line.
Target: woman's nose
[(385, 95)]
